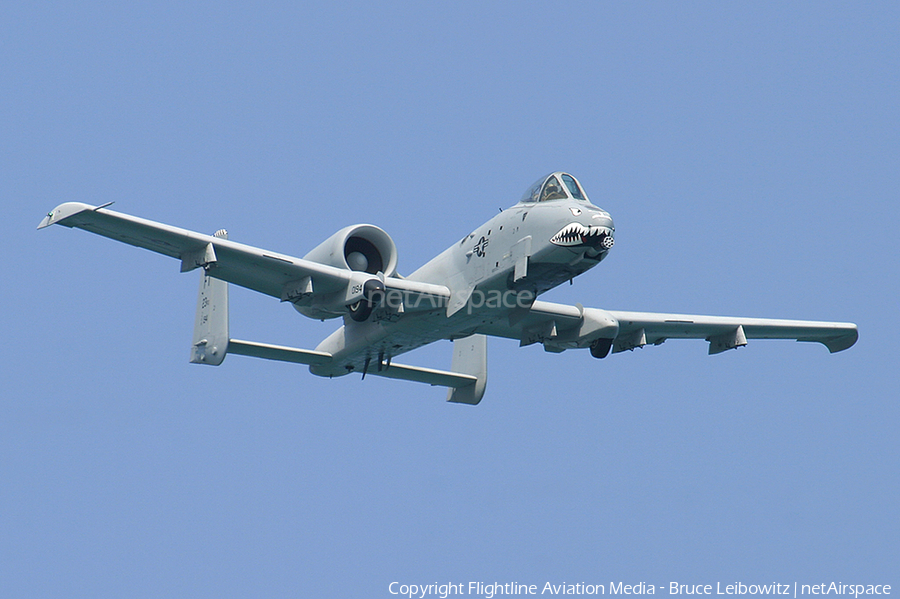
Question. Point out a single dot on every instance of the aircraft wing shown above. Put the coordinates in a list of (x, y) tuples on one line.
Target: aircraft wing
[(278, 275), (724, 332), (559, 327)]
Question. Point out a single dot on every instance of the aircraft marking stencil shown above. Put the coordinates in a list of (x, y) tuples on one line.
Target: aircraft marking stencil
[(486, 284)]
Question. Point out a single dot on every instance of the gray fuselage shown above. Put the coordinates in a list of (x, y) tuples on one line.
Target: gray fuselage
[(492, 272)]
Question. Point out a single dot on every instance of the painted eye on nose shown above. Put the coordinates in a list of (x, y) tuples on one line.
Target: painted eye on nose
[(575, 211)]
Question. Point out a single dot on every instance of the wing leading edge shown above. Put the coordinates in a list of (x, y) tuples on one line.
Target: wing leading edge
[(278, 275), (559, 327), (726, 332)]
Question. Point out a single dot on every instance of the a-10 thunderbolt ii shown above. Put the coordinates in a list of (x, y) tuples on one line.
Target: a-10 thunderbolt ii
[(487, 283)]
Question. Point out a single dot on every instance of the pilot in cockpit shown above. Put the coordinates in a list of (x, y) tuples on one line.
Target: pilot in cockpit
[(553, 190)]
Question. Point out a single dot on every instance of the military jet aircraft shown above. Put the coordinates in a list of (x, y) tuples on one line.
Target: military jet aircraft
[(487, 283)]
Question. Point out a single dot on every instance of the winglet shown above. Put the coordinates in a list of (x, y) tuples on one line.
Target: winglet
[(64, 211), (836, 344)]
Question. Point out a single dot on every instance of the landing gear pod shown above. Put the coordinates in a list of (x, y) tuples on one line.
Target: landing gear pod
[(600, 347), (373, 296)]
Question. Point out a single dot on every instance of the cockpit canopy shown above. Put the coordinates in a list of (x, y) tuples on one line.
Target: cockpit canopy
[(555, 186)]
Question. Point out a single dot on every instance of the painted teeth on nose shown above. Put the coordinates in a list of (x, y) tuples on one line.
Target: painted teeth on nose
[(576, 234), (570, 235)]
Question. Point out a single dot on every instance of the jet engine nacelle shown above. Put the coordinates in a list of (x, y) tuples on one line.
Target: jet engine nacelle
[(364, 248)]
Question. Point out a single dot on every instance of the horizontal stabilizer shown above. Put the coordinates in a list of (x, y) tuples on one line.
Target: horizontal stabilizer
[(310, 357), (442, 378), (277, 352)]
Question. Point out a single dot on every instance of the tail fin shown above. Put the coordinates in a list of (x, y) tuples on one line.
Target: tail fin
[(211, 323), (469, 357)]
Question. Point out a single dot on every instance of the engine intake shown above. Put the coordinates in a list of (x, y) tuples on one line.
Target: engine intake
[(363, 248)]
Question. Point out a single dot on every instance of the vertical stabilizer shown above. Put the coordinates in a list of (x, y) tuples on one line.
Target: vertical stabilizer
[(470, 357), (211, 323)]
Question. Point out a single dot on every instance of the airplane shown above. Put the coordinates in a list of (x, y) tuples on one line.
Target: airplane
[(485, 284)]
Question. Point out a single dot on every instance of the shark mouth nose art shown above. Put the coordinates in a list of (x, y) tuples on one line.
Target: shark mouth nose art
[(576, 234)]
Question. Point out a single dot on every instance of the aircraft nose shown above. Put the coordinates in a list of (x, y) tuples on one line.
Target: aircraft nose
[(602, 220), (603, 229), (585, 233)]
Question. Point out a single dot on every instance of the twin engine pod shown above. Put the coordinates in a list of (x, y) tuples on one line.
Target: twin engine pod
[(360, 248), (363, 248)]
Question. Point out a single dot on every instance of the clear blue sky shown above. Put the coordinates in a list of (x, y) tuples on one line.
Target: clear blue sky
[(749, 154)]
